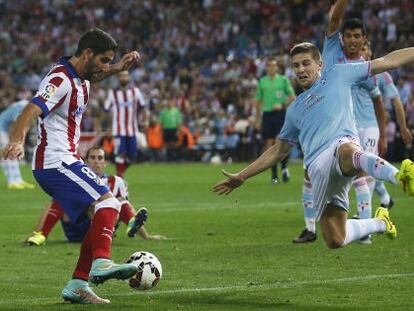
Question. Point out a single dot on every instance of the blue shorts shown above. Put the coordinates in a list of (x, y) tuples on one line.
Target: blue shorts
[(75, 232), (126, 146), (74, 186)]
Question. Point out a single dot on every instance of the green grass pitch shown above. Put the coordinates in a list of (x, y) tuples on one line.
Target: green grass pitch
[(231, 253)]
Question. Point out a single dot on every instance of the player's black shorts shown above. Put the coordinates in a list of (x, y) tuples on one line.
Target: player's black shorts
[(272, 123), (170, 135)]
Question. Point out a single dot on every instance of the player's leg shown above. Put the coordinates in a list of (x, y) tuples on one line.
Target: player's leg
[(268, 133), (134, 220), (385, 198), (353, 159), (338, 231), (331, 186), (51, 214), (309, 233), (279, 121), (121, 162)]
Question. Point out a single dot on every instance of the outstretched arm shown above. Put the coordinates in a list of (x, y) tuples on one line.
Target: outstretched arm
[(380, 115), (127, 61), (335, 16), (271, 156), (15, 149), (392, 60), (400, 115)]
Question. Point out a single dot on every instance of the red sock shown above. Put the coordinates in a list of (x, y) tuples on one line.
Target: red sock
[(85, 257), (127, 212), (121, 168), (103, 225), (97, 242), (54, 214)]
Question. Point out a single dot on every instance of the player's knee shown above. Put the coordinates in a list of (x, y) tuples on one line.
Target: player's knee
[(334, 242), (110, 202)]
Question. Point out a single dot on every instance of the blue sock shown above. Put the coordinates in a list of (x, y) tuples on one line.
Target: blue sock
[(382, 192), (363, 198), (374, 166)]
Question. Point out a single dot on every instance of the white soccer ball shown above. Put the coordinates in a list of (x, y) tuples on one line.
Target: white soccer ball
[(149, 270), (215, 160)]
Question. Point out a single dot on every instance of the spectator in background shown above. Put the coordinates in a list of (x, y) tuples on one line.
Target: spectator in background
[(155, 139)]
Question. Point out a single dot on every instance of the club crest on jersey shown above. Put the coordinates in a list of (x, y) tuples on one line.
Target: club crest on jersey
[(50, 89)]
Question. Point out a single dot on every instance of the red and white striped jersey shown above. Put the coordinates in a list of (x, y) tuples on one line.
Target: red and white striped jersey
[(63, 97), (116, 185), (124, 106)]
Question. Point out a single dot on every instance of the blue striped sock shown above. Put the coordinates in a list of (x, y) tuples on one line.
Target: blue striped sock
[(363, 198), (374, 166)]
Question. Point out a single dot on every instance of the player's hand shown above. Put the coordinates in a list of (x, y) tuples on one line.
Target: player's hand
[(382, 146), (13, 151), (406, 136), (128, 61), (227, 186)]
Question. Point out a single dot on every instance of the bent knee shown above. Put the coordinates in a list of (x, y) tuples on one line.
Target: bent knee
[(334, 243)]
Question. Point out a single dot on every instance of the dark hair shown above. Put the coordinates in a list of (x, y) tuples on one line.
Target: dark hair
[(92, 149), (97, 40), (354, 23), (306, 47)]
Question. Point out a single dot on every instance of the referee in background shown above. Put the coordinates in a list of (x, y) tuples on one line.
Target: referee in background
[(274, 94)]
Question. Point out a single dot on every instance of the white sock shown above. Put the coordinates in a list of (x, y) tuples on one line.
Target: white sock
[(359, 228), (14, 170), (308, 208), (382, 192), (363, 198)]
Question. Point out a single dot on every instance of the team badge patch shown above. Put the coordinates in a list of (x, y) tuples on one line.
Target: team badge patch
[(50, 89)]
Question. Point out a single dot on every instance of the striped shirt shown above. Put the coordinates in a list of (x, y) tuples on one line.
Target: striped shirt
[(62, 96), (117, 186), (124, 106)]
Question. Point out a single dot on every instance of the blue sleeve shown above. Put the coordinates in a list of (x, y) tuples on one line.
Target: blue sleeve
[(371, 86), (289, 132), (387, 86), (351, 73), (332, 52)]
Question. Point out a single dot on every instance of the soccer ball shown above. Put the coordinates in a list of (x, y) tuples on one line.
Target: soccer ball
[(149, 270)]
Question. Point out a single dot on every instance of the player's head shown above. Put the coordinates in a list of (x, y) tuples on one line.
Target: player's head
[(366, 51), (124, 78), (307, 63), (97, 49), (271, 66), (353, 36), (95, 159)]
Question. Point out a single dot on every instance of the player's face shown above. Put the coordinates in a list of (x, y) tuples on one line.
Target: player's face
[(353, 41), (96, 161), (271, 68), (366, 52), (124, 78), (307, 70), (97, 64)]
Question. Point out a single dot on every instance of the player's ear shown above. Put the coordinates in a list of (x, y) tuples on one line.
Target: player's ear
[(87, 53)]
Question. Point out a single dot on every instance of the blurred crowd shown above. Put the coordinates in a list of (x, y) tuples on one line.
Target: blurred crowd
[(203, 57)]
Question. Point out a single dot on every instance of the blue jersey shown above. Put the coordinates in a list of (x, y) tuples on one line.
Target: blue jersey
[(362, 92), (324, 112), (8, 116)]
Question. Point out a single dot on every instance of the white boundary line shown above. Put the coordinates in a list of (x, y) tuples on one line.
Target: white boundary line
[(276, 285)]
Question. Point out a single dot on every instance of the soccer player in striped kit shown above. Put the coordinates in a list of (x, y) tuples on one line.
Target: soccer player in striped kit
[(124, 102), (61, 99), (75, 232)]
